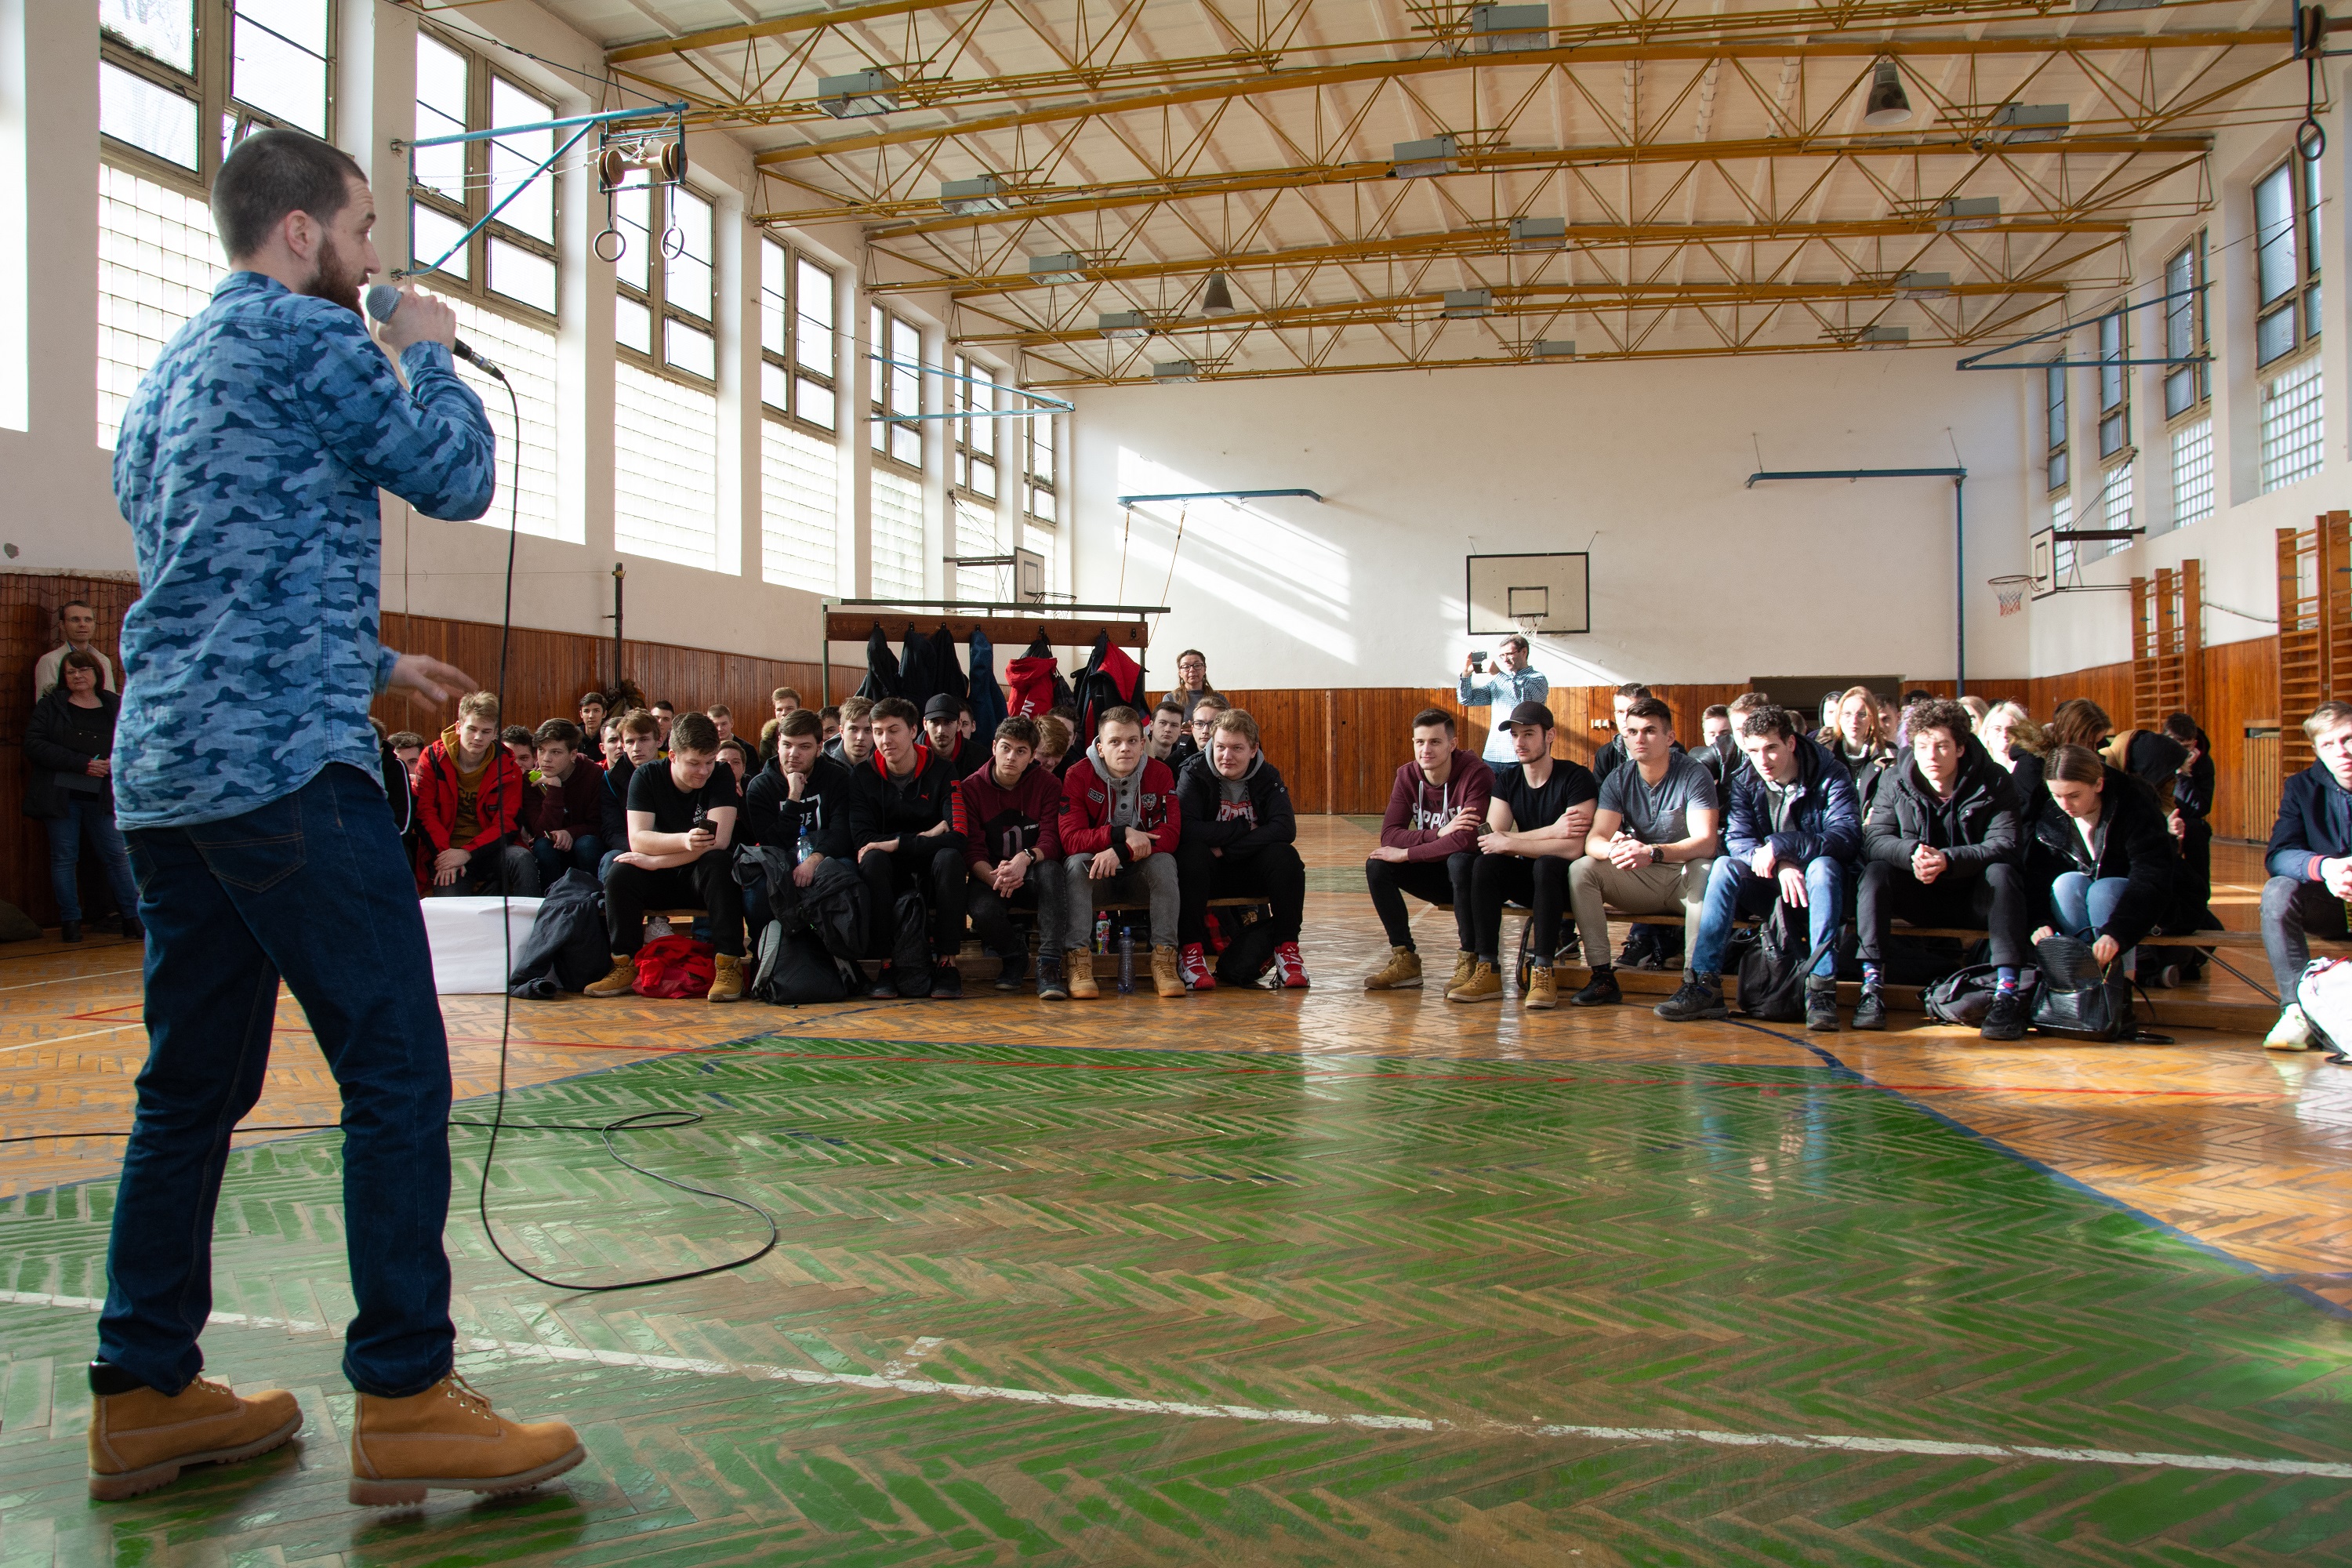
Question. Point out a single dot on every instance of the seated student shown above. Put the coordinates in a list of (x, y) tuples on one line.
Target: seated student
[(608, 748), (407, 745), (2191, 825), (469, 799), (2079, 722), (682, 815), (1053, 743), (1194, 741), (1653, 842), (638, 739), (830, 717), (1792, 832), (798, 802), (563, 809), (1853, 737), (1538, 818), (735, 752), (2310, 863), (724, 718), (784, 700), (855, 741), (1119, 832), (1168, 727), (1718, 749), (1940, 848), (1009, 813), (2098, 847), (901, 817), (943, 732), (2016, 743), (664, 716), (1429, 848), (1240, 840), (594, 711), (768, 733), (521, 744), (1191, 681), (1607, 759)]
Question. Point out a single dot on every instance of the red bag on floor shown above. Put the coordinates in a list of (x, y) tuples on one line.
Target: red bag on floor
[(676, 967)]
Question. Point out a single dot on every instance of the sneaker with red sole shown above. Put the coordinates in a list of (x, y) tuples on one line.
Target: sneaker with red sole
[(1288, 967), (1193, 965)]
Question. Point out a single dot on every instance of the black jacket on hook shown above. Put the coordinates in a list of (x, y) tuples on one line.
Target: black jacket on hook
[(881, 668), (919, 678), (946, 668)]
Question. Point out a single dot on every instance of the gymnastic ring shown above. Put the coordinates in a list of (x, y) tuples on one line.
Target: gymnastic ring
[(620, 245), (672, 251), (2311, 139)]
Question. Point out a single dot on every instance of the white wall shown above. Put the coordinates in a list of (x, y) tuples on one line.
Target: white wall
[(1693, 577)]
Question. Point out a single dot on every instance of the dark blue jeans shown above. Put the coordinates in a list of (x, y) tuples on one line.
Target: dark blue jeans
[(1733, 889), (311, 887), (92, 815), (586, 853)]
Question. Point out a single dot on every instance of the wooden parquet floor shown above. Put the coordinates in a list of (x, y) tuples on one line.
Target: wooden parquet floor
[(1283, 1279)]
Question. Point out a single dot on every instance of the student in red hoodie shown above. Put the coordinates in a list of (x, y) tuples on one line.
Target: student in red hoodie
[(469, 800), (1119, 832), (1429, 847), (1010, 815), (563, 809)]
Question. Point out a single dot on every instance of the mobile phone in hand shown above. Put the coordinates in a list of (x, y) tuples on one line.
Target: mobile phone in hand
[(1479, 662)]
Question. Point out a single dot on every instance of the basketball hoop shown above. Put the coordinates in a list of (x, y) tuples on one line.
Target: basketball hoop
[(1529, 625), (2011, 590)]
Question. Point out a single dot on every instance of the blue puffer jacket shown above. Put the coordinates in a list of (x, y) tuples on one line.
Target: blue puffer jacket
[(1824, 819)]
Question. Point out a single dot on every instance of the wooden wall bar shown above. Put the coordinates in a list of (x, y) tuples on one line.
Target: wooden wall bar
[(1339, 748)]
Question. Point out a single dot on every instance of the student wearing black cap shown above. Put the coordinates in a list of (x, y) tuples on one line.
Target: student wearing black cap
[(1536, 821), (943, 732)]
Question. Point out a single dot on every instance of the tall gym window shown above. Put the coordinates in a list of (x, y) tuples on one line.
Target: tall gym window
[(2185, 387), (1040, 480), (162, 81), (503, 281), (2115, 386), (2053, 418), (898, 534), (898, 388), (971, 468), (2286, 258), (800, 469), (2193, 472), (665, 404)]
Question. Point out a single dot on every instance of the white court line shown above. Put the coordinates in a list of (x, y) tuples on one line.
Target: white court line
[(64, 979), (61, 1040), (524, 1350)]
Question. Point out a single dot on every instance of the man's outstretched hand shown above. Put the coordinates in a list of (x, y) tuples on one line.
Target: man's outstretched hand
[(429, 678)]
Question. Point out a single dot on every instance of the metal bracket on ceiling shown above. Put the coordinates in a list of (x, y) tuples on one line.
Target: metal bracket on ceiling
[(1215, 495)]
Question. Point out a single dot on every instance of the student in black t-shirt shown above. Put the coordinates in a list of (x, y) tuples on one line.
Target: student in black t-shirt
[(681, 821), (1538, 816)]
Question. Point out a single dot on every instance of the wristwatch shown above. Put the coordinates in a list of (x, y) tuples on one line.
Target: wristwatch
[(1656, 856)]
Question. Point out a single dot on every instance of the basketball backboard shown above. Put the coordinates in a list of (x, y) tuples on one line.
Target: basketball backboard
[(1507, 592), (2044, 563)]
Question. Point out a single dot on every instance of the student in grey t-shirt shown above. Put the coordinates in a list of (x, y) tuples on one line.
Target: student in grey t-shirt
[(1652, 844)]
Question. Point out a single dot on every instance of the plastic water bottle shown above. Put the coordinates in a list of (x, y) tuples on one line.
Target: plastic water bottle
[(1126, 960), (806, 848)]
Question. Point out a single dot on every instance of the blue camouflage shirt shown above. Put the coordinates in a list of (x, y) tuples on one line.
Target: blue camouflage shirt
[(247, 467)]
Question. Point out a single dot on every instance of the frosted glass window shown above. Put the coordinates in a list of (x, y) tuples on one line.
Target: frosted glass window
[(665, 463), (137, 112), (2293, 442), (441, 98), (975, 534), (1043, 542), (431, 234), (632, 326), (163, 28), (278, 63), (799, 507), (690, 350), (2192, 473), (773, 303), (898, 535), (527, 355), (157, 263), (513, 158), (523, 274), (813, 340)]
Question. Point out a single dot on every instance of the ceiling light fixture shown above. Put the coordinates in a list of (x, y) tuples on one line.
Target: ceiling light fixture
[(1887, 103), (1216, 300), (857, 95)]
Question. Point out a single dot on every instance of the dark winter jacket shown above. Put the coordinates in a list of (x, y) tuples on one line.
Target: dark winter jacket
[(1722, 759), (2150, 756), (577, 806), (1418, 809), (1262, 817), (882, 807), (616, 801), (1086, 808), (772, 816), (1111, 679), (60, 740), (2315, 823), (566, 950), (881, 668), (2192, 792), (987, 698), (1976, 828), (1825, 814), (2133, 844), (946, 671), (918, 676), (997, 823)]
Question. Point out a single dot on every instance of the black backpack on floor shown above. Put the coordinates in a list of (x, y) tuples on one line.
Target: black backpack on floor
[(1772, 971)]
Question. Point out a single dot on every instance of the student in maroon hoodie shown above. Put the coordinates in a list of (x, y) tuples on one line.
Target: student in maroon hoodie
[(1119, 832), (1010, 815), (563, 805), (1428, 845)]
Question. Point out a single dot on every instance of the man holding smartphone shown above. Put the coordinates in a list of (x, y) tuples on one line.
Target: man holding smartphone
[(681, 822), (1509, 684)]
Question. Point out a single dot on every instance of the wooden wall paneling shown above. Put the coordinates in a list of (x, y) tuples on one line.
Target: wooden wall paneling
[(2242, 694)]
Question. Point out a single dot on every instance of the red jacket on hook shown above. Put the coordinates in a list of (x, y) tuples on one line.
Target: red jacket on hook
[(1032, 680)]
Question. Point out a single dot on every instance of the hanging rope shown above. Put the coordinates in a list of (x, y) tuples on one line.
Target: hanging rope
[(1182, 513), (2311, 136), (1125, 529)]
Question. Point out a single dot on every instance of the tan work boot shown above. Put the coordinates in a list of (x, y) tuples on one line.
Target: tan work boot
[(726, 979), (1465, 963), (142, 1439), (448, 1437), (1484, 985), (1078, 974), (1164, 976), (1541, 993), (1401, 973), (621, 982)]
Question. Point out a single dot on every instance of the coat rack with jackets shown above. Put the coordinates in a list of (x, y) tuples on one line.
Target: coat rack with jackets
[(1112, 674)]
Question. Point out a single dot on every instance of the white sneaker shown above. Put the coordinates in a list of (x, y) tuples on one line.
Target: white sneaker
[(2290, 1033)]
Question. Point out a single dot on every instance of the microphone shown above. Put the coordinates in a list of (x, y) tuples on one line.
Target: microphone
[(383, 298)]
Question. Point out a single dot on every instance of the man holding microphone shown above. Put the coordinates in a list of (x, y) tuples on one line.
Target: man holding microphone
[(246, 783)]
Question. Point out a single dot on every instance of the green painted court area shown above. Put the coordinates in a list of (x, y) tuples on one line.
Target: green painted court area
[(1350, 1302)]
